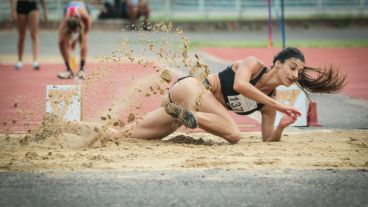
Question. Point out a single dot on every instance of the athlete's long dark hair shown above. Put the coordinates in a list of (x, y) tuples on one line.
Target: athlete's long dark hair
[(315, 80), (75, 24)]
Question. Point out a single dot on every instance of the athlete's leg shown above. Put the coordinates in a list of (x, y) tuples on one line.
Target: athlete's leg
[(84, 47), (158, 123), (186, 92), (34, 23), (155, 125), (212, 115), (64, 42), (22, 24), (64, 47), (214, 118)]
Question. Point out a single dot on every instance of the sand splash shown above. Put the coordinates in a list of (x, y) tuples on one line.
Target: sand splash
[(161, 55)]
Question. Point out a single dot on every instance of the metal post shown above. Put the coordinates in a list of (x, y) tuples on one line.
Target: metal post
[(283, 24), (361, 7), (201, 8), (167, 8), (238, 8), (320, 7), (269, 24)]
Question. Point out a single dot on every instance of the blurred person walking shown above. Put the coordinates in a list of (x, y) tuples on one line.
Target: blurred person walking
[(136, 9), (74, 29), (25, 12), (108, 10)]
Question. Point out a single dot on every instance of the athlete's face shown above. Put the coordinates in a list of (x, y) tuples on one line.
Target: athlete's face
[(289, 70)]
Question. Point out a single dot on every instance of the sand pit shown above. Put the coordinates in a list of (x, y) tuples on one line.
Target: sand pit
[(67, 151)]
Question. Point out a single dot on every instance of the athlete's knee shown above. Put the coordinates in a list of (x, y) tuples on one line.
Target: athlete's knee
[(234, 137), (34, 35)]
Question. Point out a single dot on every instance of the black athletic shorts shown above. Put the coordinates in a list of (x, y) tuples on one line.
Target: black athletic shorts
[(25, 7)]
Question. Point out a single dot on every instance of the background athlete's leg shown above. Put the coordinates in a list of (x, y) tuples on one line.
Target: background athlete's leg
[(22, 23), (33, 23)]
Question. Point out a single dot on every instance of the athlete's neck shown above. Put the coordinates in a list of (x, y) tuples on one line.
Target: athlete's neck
[(268, 81)]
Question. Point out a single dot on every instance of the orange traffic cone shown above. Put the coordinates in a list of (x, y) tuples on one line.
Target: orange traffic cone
[(312, 118)]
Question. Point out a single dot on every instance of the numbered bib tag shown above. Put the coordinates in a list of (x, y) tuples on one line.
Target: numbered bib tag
[(241, 104)]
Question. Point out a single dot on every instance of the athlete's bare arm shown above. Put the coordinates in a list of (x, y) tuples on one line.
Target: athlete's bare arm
[(268, 120), (63, 40), (242, 85), (269, 132), (87, 21)]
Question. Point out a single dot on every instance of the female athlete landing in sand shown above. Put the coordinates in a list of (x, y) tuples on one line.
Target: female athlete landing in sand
[(244, 87)]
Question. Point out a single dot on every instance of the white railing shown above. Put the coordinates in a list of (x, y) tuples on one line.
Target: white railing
[(245, 9), (237, 9)]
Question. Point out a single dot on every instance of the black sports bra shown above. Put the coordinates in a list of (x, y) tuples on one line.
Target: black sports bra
[(235, 101)]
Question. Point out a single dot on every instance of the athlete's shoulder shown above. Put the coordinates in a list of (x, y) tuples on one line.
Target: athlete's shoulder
[(251, 58), (251, 61)]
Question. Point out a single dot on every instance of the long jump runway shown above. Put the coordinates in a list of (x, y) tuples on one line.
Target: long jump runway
[(23, 93)]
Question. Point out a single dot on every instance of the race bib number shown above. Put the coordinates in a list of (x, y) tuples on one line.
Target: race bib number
[(240, 103)]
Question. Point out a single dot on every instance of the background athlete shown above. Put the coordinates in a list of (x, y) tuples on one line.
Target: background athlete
[(25, 13), (74, 29)]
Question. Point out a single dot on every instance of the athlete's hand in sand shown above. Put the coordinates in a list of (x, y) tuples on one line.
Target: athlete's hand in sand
[(286, 120), (289, 110)]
